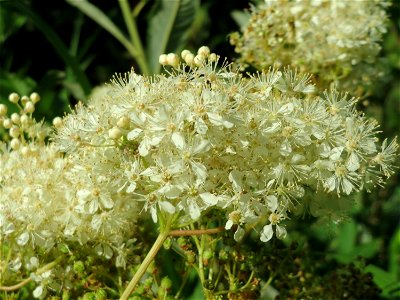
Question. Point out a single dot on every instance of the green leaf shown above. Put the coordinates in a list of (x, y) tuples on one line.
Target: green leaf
[(197, 293), (386, 281), (9, 23), (54, 39), (168, 28), (394, 254), (241, 17), (104, 21)]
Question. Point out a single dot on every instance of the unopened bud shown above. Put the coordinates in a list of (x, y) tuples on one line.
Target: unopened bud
[(15, 143), (3, 110), (163, 59), (35, 97), (7, 123), (114, 133), (57, 122), (204, 51), (123, 122), (29, 107), (184, 53), (14, 97), (15, 118), (173, 60)]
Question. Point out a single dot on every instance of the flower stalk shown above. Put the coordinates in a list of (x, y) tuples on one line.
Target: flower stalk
[(164, 232)]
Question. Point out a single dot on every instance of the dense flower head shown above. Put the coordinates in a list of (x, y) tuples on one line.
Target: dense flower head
[(204, 137), (336, 40), (48, 199)]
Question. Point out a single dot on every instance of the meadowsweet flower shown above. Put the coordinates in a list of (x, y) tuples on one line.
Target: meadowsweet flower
[(48, 199), (336, 40), (204, 137)]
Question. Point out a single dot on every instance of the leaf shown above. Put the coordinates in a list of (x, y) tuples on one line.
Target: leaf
[(104, 21), (387, 282), (394, 254), (54, 39), (168, 28), (241, 17)]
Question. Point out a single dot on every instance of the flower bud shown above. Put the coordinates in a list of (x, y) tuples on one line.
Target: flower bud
[(79, 267), (24, 100), (199, 60), (213, 57), (15, 118), (203, 51), (57, 122), (14, 132), (14, 97), (29, 107), (163, 59), (124, 122), (15, 144), (25, 151), (24, 120), (3, 110), (184, 53), (35, 98), (166, 283), (189, 59), (114, 133), (173, 60), (7, 123)]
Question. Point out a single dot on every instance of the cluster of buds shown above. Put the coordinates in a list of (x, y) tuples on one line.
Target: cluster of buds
[(20, 128), (201, 58)]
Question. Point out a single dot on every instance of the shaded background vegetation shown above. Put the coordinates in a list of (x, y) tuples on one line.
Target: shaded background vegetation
[(29, 61)]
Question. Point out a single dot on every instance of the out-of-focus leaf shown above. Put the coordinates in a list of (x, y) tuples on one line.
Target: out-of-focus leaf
[(387, 282), (197, 293), (11, 82), (9, 23), (394, 255), (346, 238), (241, 17), (54, 39), (168, 28), (104, 21)]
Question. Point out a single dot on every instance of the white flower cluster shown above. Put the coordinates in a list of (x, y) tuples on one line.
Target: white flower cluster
[(336, 40), (205, 137), (47, 199)]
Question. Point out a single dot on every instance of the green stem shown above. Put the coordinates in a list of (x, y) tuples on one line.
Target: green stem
[(134, 35), (164, 232), (43, 269)]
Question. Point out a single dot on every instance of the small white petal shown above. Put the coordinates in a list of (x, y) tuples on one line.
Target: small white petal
[(272, 202), (239, 234), (336, 153), (153, 212), (131, 188), (347, 186), (267, 233), (166, 206), (199, 169), (353, 163), (280, 232), (209, 198), (38, 291), (134, 134), (194, 210), (228, 224), (178, 140), (200, 126), (23, 239), (83, 194), (286, 109)]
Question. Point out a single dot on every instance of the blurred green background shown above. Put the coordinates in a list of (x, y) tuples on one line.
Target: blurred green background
[(62, 50)]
